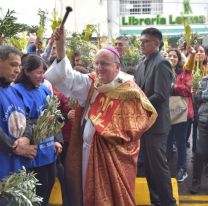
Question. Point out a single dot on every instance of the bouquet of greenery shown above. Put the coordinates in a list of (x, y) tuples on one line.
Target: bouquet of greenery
[(41, 28), (131, 58), (56, 20), (49, 122), (81, 43), (19, 189), (56, 15), (19, 41)]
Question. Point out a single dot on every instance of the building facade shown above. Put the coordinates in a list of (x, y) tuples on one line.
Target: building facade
[(166, 15)]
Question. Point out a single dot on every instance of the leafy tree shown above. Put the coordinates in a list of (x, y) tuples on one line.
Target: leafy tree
[(8, 25)]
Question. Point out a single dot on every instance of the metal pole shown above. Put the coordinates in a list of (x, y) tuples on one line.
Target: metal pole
[(109, 21)]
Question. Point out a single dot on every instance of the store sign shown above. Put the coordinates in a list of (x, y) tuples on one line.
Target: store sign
[(160, 20)]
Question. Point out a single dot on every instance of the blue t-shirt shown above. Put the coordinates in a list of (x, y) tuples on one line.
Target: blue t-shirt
[(34, 101), (13, 123)]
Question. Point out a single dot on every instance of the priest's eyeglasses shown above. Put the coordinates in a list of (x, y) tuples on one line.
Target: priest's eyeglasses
[(103, 64)]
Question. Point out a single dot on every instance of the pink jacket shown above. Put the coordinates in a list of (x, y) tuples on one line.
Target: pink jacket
[(183, 88)]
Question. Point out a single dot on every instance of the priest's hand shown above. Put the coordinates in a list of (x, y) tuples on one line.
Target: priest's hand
[(71, 116), (60, 38)]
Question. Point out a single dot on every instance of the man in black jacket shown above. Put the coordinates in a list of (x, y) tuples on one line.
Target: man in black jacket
[(154, 76)]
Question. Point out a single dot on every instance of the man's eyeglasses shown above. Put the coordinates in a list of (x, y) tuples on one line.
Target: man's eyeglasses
[(145, 41)]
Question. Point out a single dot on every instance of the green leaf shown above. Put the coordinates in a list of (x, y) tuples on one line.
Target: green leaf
[(48, 123), (20, 189), (8, 25)]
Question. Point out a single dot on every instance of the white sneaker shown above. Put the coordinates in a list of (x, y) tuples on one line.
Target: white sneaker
[(181, 175)]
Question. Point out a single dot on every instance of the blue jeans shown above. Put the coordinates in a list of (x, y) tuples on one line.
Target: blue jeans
[(4, 201), (178, 133)]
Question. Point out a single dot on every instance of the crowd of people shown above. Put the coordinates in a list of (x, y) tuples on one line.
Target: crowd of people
[(112, 119)]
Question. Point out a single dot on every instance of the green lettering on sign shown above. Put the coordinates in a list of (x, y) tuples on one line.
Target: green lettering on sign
[(135, 21), (147, 21), (159, 20)]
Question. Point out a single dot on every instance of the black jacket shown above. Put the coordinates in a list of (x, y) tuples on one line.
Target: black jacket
[(154, 76)]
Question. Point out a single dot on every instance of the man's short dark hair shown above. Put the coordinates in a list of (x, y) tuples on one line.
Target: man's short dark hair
[(153, 32), (5, 51)]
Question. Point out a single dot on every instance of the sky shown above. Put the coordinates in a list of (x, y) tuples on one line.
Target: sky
[(83, 12), (26, 10)]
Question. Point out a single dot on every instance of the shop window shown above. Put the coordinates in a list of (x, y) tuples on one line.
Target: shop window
[(139, 7)]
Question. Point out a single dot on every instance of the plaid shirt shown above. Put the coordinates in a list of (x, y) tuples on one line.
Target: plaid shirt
[(202, 100)]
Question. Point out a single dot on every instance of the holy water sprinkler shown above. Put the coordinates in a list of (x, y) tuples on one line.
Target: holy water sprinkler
[(68, 10)]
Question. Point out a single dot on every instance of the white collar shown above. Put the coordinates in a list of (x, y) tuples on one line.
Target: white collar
[(121, 78)]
